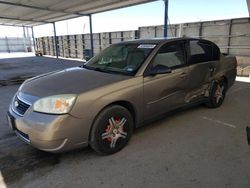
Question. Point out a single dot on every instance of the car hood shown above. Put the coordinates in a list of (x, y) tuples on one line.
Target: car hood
[(69, 81)]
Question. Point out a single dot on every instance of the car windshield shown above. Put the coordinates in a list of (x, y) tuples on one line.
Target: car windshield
[(121, 58)]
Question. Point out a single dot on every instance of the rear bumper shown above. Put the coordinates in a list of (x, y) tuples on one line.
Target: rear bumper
[(52, 133)]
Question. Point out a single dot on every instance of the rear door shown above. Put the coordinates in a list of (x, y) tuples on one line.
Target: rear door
[(164, 92), (202, 66)]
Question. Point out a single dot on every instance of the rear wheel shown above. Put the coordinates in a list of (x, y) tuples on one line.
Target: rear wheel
[(217, 94), (112, 130)]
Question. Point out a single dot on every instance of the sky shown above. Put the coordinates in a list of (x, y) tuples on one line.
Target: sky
[(180, 11)]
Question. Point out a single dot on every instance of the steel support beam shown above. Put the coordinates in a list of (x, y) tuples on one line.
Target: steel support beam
[(40, 8), (23, 20), (166, 19), (248, 5), (91, 36), (33, 38), (13, 25), (55, 38)]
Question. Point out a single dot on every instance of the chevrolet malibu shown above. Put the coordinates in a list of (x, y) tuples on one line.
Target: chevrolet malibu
[(127, 84)]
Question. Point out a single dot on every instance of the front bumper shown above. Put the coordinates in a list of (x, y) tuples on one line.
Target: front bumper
[(52, 133)]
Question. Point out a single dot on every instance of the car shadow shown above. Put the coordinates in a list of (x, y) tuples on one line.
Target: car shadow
[(160, 120), (16, 158), (23, 158)]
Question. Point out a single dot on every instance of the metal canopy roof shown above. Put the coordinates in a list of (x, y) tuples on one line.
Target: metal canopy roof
[(37, 12)]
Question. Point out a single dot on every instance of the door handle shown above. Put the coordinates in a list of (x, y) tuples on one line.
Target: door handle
[(183, 75)]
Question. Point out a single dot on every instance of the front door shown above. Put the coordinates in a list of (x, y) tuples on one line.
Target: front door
[(164, 92)]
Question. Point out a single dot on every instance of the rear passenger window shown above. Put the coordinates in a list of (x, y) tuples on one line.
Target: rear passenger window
[(170, 55), (200, 52)]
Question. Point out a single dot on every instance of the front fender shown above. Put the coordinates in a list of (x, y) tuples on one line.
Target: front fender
[(89, 104)]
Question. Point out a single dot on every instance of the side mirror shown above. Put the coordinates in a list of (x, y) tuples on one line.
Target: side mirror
[(159, 69), (84, 61)]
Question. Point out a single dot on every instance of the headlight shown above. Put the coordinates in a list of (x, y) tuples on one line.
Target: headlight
[(57, 104)]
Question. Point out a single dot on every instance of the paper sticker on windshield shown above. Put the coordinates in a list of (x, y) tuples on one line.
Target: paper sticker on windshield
[(146, 46)]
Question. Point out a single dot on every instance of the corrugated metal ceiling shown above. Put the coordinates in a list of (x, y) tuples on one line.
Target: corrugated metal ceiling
[(37, 12)]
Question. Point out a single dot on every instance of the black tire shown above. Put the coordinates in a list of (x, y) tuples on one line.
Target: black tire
[(101, 128), (217, 94)]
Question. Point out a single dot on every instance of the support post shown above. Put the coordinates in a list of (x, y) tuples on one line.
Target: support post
[(248, 6), (166, 19), (33, 38), (24, 39), (56, 41), (91, 36)]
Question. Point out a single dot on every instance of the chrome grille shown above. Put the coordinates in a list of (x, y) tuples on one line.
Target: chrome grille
[(20, 106)]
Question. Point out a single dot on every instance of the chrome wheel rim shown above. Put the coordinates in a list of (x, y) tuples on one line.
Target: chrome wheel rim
[(219, 93), (114, 131)]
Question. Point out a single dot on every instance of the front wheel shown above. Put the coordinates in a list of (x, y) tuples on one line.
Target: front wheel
[(111, 130), (217, 94)]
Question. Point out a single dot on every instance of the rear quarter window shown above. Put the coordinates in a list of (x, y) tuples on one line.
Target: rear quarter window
[(216, 53), (200, 52)]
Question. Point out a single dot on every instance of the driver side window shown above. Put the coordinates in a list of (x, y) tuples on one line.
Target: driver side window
[(170, 55)]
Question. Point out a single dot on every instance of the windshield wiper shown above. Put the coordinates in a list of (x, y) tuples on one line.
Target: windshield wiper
[(105, 70), (88, 67), (95, 68), (113, 71)]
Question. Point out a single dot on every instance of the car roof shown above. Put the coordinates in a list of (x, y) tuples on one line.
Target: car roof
[(161, 40), (155, 40)]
